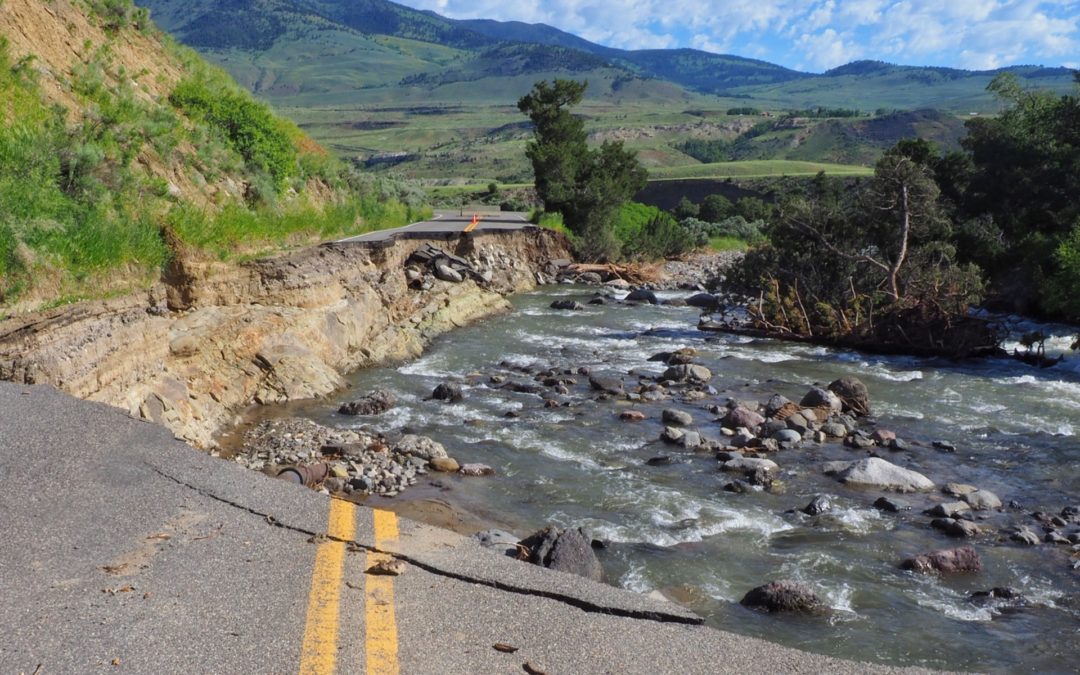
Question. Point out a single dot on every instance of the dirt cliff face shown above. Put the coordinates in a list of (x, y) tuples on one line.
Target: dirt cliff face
[(194, 352)]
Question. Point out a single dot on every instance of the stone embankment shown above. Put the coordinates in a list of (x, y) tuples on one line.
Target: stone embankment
[(213, 338)]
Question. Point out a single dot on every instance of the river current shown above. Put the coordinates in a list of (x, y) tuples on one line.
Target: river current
[(671, 528)]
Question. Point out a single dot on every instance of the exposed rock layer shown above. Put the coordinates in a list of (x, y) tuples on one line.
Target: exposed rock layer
[(194, 352)]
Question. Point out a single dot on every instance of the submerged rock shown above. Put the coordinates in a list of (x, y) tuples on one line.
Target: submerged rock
[(784, 596)]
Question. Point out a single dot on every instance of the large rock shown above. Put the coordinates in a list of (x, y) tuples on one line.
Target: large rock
[(566, 551), (822, 398), (704, 301), (982, 500), (853, 394), (784, 596), (642, 295), (607, 384), (447, 273), (749, 465), (374, 403), (688, 373), (876, 472), (419, 446), (568, 305), (741, 417), (447, 392), (964, 559), (677, 417)]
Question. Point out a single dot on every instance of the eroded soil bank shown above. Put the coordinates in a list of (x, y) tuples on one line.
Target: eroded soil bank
[(212, 339)]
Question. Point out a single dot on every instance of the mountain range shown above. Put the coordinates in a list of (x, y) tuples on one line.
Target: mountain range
[(372, 78)]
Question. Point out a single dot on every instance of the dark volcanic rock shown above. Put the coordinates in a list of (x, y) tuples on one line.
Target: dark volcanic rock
[(818, 505), (447, 392), (784, 596), (964, 559), (704, 301), (643, 295), (373, 404), (566, 551), (570, 305), (853, 394)]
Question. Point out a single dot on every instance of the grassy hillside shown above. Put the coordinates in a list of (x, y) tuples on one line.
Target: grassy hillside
[(394, 89), (119, 149)]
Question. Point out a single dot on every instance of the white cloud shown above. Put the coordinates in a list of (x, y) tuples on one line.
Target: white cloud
[(815, 33)]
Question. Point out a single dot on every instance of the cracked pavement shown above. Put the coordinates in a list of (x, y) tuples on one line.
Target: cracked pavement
[(126, 550)]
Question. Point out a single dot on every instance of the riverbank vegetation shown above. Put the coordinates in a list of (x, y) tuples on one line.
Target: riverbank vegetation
[(897, 260)]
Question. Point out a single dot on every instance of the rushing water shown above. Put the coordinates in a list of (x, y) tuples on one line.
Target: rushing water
[(673, 529)]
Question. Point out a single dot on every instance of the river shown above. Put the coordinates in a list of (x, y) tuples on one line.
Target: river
[(673, 529)]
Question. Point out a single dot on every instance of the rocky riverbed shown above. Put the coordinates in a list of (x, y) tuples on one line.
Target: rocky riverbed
[(930, 516)]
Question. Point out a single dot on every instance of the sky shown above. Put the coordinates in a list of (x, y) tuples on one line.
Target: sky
[(812, 35)]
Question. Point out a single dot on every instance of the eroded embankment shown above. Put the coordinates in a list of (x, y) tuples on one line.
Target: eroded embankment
[(214, 339)]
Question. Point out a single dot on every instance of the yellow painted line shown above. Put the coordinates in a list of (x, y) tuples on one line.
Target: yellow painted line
[(319, 653), (381, 644), (472, 226)]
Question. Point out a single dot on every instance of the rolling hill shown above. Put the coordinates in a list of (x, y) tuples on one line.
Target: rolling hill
[(434, 98)]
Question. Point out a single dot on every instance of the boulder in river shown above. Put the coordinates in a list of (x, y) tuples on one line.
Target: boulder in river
[(948, 509), (631, 415), (566, 551), (476, 470), (749, 464), (444, 464), (741, 417), (963, 559), (419, 446), (818, 505), (777, 403), (374, 403), (447, 391), (982, 500), (822, 398), (876, 472), (677, 417), (956, 528), (853, 395), (784, 596), (568, 305), (704, 301), (607, 384), (642, 295), (688, 373)]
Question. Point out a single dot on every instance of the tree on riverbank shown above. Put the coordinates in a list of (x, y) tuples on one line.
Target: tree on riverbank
[(587, 186), (871, 264)]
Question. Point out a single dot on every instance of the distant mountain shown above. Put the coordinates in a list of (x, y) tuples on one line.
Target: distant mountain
[(391, 86)]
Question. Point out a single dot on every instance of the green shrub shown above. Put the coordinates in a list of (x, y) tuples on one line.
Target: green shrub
[(247, 125), (1061, 292)]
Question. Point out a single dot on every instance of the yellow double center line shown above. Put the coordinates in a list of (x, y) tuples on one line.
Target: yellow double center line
[(318, 655)]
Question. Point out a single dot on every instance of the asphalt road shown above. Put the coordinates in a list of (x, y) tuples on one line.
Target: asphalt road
[(447, 223), (125, 550)]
